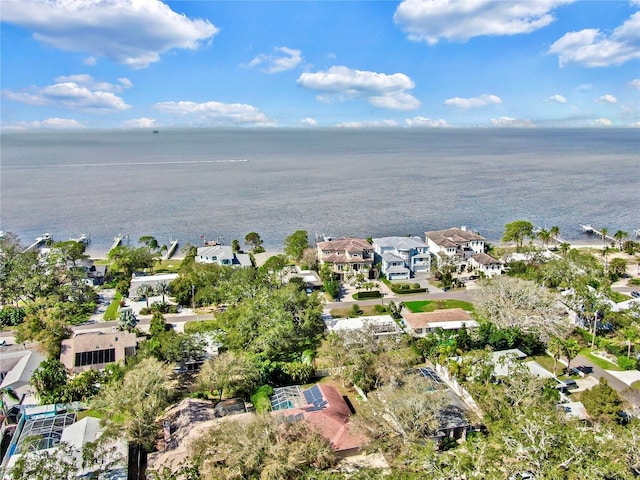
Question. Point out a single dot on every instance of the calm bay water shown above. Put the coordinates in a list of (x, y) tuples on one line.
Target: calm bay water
[(191, 182)]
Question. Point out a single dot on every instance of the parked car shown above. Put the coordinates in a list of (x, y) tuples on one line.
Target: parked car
[(635, 294)]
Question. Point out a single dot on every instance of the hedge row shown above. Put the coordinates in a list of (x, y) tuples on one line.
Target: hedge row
[(364, 295)]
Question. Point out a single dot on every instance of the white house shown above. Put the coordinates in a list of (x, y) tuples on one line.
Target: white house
[(485, 264), (457, 244), (16, 369), (401, 257), (422, 323), (222, 255), (381, 325)]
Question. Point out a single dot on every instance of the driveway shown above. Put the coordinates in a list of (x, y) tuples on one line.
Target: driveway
[(615, 383)]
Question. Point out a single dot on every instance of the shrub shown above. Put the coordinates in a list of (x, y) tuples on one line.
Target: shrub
[(356, 310), (363, 295), (627, 363), (415, 286), (380, 309), (261, 399), (145, 311), (634, 281), (11, 316)]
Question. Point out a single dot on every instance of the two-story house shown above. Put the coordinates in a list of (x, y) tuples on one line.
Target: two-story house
[(485, 264), (455, 244), (401, 257), (347, 256)]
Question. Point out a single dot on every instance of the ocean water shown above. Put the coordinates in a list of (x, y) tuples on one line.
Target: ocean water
[(187, 183)]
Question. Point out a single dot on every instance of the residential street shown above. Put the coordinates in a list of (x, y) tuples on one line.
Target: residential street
[(613, 382)]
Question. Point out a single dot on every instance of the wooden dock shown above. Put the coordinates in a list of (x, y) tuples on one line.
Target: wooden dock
[(171, 250), (117, 241), (38, 241), (592, 230)]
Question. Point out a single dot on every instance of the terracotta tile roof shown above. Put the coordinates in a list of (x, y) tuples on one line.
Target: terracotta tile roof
[(452, 236), (484, 259), (345, 244), (427, 319), (332, 421)]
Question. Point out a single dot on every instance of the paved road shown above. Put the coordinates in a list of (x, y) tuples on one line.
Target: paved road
[(464, 295), (598, 372)]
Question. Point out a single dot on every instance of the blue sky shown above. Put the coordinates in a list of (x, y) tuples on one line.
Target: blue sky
[(409, 64)]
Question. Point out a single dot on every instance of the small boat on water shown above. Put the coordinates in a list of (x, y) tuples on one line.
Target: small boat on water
[(156, 131)]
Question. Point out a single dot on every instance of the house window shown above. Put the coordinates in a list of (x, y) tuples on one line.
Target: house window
[(95, 357)]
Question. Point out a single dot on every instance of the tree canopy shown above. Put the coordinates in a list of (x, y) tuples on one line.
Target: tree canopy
[(296, 243), (517, 231)]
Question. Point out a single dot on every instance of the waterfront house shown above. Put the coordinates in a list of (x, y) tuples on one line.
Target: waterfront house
[(401, 257), (422, 323), (485, 264), (222, 255), (454, 244), (346, 256), (91, 351)]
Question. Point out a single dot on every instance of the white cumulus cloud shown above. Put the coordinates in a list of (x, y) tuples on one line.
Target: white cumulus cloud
[(557, 98), (635, 83), (460, 20), (284, 59), (50, 123), (142, 122), (309, 122), (425, 122), (130, 32), (592, 48), (512, 122), (607, 99), (78, 92), (603, 122), (217, 113), (369, 124), (473, 102), (379, 89)]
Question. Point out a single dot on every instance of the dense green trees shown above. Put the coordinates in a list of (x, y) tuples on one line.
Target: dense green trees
[(131, 406), (129, 259), (517, 231), (296, 243), (253, 240)]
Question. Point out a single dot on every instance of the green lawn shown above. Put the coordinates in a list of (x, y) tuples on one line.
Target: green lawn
[(112, 309), (602, 363), (431, 305), (547, 362), (367, 310)]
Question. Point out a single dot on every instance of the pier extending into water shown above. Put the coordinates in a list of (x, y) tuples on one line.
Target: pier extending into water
[(589, 229), (171, 250), (38, 242)]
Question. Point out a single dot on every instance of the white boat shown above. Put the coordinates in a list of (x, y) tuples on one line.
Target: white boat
[(83, 238)]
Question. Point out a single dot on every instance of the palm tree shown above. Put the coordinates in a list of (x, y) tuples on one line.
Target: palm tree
[(555, 233), (545, 236), (163, 289), (631, 335), (620, 235), (571, 349), (145, 290), (564, 248), (604, 232), (555, 348), (10, 394)]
